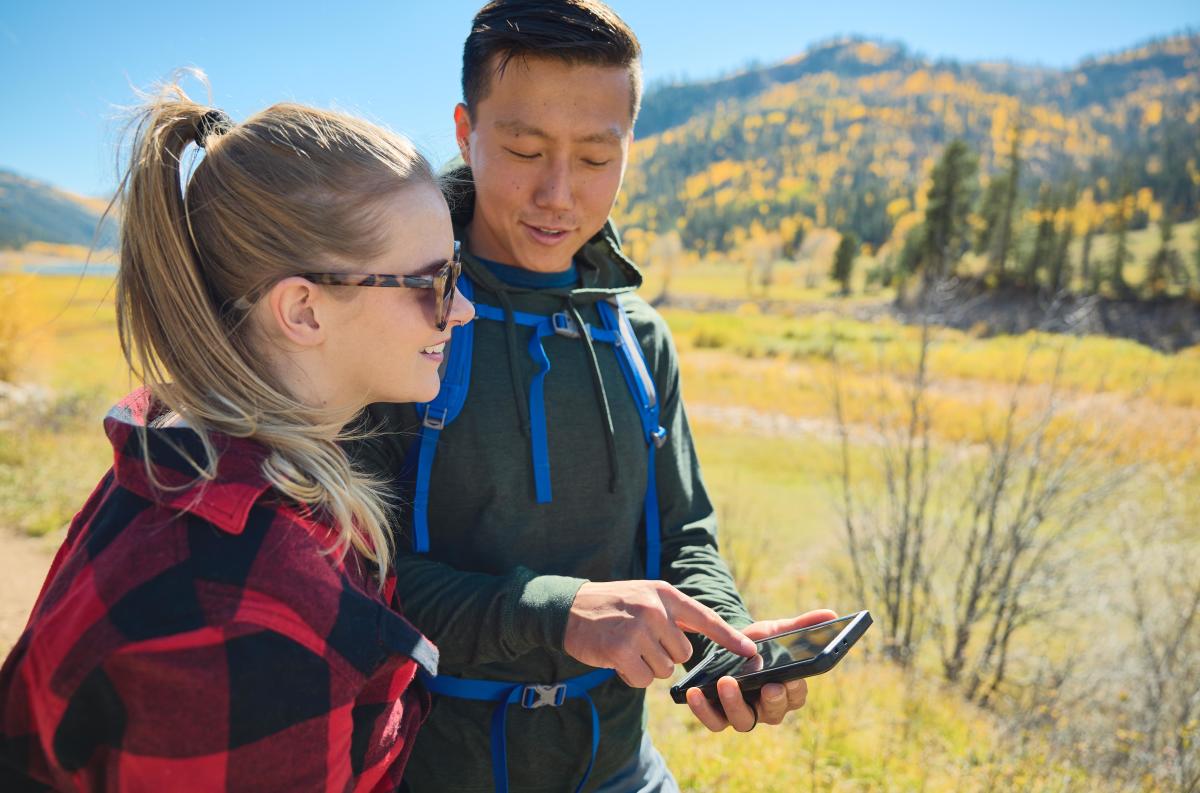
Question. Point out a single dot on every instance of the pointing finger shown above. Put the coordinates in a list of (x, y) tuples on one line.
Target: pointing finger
[(692, 615)]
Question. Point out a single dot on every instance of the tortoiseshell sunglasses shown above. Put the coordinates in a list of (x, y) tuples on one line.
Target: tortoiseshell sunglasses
[(442, 282)]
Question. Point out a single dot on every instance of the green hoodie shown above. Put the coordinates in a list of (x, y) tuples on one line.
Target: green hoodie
[(496, 587)]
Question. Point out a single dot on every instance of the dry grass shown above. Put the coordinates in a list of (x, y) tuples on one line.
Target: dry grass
[(758, 390)]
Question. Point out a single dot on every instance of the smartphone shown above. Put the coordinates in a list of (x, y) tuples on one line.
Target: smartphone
[(799, 653)]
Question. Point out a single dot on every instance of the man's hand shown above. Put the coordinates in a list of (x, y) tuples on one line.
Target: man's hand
[(775, 699), (636, 628)]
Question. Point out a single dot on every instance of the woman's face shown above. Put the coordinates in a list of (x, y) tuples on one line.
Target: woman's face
[(383, 344)]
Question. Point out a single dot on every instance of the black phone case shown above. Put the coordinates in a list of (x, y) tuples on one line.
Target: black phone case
[(751, 683)]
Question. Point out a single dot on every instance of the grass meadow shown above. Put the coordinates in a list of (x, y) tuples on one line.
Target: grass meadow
[(760, 393)]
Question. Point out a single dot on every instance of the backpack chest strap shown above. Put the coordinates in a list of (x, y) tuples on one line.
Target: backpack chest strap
[(559, 324)]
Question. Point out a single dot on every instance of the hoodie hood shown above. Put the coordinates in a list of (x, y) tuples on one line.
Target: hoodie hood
[(604, 270)]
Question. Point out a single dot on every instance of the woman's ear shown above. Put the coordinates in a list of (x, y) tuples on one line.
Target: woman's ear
[(294, 309)]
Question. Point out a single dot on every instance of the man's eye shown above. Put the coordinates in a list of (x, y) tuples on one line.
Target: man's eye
[(522, 155), (596, 163)]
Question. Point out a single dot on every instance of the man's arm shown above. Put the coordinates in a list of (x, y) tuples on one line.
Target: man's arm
[(691, 561), (688, 523)]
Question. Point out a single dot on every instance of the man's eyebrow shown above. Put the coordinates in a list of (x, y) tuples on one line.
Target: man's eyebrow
[(611, 135)]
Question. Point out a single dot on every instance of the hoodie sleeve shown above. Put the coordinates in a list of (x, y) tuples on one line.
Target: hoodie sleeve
[(688, 522)]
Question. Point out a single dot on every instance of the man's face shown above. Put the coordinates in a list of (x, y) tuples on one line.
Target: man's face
[(547, 149)]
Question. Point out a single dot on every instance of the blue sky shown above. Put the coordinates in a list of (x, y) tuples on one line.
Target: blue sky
[(68, 66)]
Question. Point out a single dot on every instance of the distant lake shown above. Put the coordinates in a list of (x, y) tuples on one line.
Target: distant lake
[(65, 267)]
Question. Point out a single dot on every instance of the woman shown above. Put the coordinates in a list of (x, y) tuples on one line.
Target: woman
[(220, 616)]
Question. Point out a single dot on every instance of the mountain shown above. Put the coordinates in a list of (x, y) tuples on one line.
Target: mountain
[(35, 211), (845, 135)]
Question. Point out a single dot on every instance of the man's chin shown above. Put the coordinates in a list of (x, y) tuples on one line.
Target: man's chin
[(538, 259)]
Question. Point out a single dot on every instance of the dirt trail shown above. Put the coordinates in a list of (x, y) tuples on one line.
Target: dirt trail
[(23, 565)]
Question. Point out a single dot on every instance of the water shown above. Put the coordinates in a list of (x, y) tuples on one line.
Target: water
[(65, 267)]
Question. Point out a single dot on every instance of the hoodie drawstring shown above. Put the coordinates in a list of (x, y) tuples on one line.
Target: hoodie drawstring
[(601, 396), (510, 335)]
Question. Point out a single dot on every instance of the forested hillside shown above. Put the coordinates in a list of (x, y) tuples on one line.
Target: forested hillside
[(34, 211), (845, 136)]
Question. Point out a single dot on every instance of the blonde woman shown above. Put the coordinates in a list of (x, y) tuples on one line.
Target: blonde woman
[(220, 616)]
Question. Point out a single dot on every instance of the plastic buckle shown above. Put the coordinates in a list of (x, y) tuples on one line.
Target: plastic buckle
[(660, 437), (564, 325), (551, 696), (435, 422)]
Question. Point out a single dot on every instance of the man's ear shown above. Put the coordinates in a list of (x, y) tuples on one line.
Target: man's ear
[(294, 311), (462, 131)]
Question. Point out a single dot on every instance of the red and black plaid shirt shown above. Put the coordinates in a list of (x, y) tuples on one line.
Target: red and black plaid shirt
[(201, 638)]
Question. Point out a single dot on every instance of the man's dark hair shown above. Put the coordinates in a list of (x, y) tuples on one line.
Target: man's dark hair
[(574, 31)]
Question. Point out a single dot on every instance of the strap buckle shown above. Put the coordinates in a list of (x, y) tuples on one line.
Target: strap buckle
[(435, 422), (564, 325), (538, 696), (660, 437)]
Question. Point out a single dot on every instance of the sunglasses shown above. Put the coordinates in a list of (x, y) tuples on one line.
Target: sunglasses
[(442, 282)]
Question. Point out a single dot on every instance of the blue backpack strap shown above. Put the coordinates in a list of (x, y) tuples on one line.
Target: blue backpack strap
[(641, 385), (528, 696), (560, 324), (436, 414)]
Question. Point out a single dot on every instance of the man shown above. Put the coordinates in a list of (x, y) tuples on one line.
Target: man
[(534, 503)]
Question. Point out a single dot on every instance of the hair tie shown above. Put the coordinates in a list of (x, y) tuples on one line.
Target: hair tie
[(214, 122)]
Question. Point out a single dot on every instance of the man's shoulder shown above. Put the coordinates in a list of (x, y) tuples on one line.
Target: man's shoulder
[(644, 318), (653, 334)]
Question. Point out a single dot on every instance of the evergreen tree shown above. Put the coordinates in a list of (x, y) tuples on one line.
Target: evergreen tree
[(791, 247), (1060, 265), (949, 202), (1089, 275), (1044, 243), (1000, 241), (990, 210), (909, 259), (1120, 248), (843, 261), (1196, 253), (1060, 268), (1166, 263)]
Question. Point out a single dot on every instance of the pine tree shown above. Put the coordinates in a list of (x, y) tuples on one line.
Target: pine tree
[(990, 210), (1089, 275), (1120, 248), (1000, 241), (1060, 266), (1044, 243), (1196, 253), (1165, 263), (843, 261), (949, 201)]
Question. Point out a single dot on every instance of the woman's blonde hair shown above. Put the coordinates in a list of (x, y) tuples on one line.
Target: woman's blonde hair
[(292, 189)]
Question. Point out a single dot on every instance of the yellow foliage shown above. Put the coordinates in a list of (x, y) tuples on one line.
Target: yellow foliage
[(1152, 114), (897, 207)]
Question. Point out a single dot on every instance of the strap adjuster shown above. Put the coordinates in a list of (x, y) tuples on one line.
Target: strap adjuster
[(564, 325), (538, 696), (660, 437), (435, 422)]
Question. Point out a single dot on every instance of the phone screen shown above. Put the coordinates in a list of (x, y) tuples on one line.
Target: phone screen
[(797, 646)]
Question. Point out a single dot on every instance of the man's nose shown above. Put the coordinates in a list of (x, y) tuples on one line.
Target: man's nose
[(555, 191)]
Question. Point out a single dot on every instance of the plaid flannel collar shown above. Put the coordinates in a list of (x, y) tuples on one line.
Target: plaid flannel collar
[(175, 454)]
